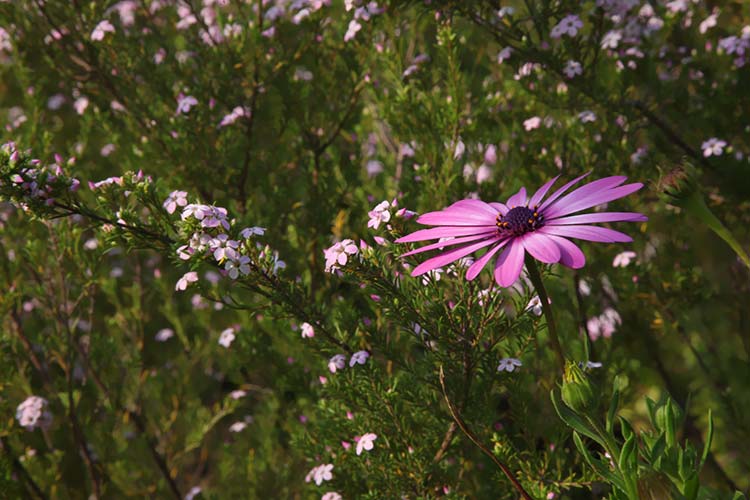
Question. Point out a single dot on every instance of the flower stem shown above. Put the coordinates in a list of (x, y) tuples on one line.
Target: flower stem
[(536, 280)]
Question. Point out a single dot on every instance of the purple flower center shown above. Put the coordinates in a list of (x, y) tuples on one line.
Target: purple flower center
[(519, 220)]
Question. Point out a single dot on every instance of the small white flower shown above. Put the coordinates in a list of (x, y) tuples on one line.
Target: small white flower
[(249, 232), (164, 334), (587, 116), (227, 337), (366, 442), (623, 259), (33, 413), (713, 147), (572, 68), (535, 306), (508, 364), (237, 427)]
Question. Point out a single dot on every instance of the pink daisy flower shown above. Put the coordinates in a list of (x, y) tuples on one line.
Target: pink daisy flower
[(535, 225)]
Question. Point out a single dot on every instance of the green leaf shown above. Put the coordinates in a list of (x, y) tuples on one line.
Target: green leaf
[(709, 439), (571, 419), (657, 450), (612, 410), (600, 468), (629, 454), (671, 432)]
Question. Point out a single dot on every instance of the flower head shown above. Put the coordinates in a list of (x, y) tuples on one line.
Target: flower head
[(319, 474), (381, 213), (337, 362), (308, 331), (338, 255), (359, 358), (366, 442), (33, 413), (508, 364), (227, 337), (539, 225)]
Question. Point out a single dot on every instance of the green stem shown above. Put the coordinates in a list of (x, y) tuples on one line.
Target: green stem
[(696, 206), (536, 280)]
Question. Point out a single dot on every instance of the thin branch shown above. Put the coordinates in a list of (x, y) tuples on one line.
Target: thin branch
[(465, 429)]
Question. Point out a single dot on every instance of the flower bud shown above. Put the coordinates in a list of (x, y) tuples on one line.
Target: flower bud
[(577, 391)]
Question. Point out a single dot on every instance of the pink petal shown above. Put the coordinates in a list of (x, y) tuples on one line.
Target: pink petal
[(598, 217), (541, 192), (564, 208), (479, 264), (477, 206), (570, 255), (541, 247), (509, 264), (448, 243), (583, 192), (561, 191), (588, 233), (456, 216), (452, 256), (444, 232), (518, 199), (501, 207)]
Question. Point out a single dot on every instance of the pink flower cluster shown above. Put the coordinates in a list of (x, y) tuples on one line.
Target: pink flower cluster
[(338, 362), (33, 413)]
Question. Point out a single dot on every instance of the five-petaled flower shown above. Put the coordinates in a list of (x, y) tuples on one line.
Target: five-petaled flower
[(535, 225), (359, 358), (713, 147), (508, 364), (366, 442), (174, 200), (568, 25), (338, 254), (381, 213), (320, 473)]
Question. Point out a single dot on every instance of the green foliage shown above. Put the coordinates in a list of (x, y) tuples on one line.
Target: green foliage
[(158, 386)]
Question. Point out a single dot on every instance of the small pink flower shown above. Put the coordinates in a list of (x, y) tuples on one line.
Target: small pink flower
[(338, 255), (532, 123), (359, 358), (337, 362), (101, 30), (184, 282), (227, 337), (572, 68), (174, 200), (713, 147), (366, 442), (308, 331), (381, 213), (185, 103), (623, 259), (164, 334)]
